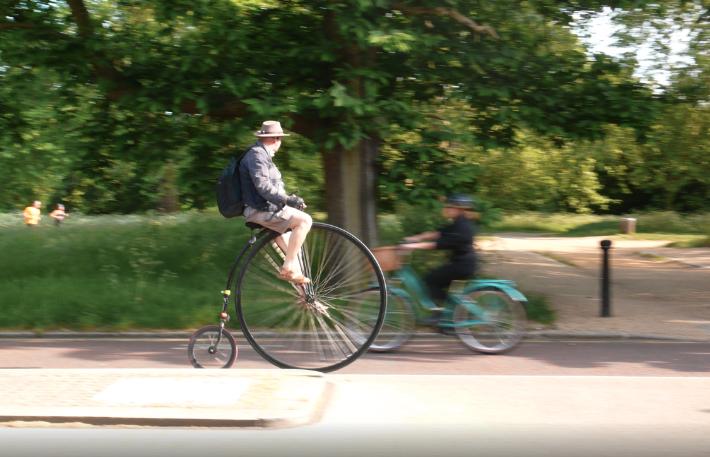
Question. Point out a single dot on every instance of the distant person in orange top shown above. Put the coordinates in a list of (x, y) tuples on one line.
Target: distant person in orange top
[(58, 215), (32, 214)]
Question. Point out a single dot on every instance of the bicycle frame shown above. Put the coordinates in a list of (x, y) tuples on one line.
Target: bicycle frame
[(414, 292), (228, 288), (227, 292)]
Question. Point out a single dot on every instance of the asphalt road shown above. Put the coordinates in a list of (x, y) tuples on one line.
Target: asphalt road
[(425, 355), (545, 398)]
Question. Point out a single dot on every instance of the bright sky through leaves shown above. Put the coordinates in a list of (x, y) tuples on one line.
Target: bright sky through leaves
[(598, 34)]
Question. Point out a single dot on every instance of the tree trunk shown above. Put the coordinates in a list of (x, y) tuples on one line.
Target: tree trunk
[(169, 201), (350, 180)]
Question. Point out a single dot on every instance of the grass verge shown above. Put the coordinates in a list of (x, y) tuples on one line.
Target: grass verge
[(539, 309), (117, 273), (654, 224), (557, 258), (695, 242), (166, 272)]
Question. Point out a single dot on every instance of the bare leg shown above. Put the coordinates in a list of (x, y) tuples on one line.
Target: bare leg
[(282, 241), (300, 226)]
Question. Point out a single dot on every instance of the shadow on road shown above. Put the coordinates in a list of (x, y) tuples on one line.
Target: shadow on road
[(431, 355)]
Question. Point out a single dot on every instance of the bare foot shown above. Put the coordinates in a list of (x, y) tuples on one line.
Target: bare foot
[(294, 277)]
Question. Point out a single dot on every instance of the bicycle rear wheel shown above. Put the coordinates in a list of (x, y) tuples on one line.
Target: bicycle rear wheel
[(497, 325), (212, 347), (318, 326)]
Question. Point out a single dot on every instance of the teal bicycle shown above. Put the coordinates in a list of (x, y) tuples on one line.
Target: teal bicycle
[(487, 315)]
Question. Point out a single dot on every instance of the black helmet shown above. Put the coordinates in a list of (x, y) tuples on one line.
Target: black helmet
[(459, 201)]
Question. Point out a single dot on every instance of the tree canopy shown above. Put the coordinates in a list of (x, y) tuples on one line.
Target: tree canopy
[(111, 105)]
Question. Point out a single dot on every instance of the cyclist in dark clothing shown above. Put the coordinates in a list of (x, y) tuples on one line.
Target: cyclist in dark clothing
[(456, 237)]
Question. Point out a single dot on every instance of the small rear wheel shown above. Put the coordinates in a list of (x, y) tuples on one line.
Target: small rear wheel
[(212, 347), (491, 322)]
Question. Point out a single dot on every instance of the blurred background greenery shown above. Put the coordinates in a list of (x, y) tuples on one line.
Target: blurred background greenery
[(132, 107), (125, 106)]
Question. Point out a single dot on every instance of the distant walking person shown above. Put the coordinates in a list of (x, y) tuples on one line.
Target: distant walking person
[(32, 214), (59, 214), (267, 203)]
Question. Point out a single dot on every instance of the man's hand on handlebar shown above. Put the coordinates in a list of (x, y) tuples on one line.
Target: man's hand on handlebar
[(296, 202)]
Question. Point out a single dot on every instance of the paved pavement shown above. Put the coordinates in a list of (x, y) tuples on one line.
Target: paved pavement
[(658, 292), (425, 415), (162, 397)]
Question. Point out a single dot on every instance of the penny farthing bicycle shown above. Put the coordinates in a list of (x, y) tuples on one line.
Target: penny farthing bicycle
[(324, 325)]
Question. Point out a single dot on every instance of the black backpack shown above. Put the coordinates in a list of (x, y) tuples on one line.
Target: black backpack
[(229, 189)]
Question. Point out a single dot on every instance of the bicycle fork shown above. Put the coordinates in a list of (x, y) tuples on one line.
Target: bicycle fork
[(223, 319), (226, 293)]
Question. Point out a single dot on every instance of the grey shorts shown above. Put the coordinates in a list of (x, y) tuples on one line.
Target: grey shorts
[(278, 222)]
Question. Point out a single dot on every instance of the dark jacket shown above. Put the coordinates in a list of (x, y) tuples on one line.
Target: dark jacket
[(262, 186), (457, 237)]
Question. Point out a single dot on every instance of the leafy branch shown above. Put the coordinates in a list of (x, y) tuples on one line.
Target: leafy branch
[(451, 13)]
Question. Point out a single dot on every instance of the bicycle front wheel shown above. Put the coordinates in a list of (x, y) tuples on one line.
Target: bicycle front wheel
[(324, 325), (491, 323), (398, 327)]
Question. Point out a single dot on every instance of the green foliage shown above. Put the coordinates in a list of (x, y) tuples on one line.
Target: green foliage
[(539, 175), (93, 110), (676, 162), (538, 309)]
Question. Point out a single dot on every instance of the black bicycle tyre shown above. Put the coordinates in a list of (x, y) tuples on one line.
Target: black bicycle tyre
[(360, 341), (227, 338)]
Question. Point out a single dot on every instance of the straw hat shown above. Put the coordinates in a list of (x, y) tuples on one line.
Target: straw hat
[(270, 129)]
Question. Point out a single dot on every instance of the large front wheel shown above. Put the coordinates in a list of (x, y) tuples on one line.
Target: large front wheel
[(323, 325), (490, 321)]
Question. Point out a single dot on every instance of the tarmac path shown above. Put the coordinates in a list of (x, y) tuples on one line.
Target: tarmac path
[(427, 354)]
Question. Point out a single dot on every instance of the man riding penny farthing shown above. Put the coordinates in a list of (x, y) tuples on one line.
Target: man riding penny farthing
[(296, 282)]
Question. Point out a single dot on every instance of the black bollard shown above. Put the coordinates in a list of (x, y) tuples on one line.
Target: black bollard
[(606, 295)]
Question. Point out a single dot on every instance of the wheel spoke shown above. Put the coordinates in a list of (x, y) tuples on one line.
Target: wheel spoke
[(205, 339), (323, 325), (496, 325)]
